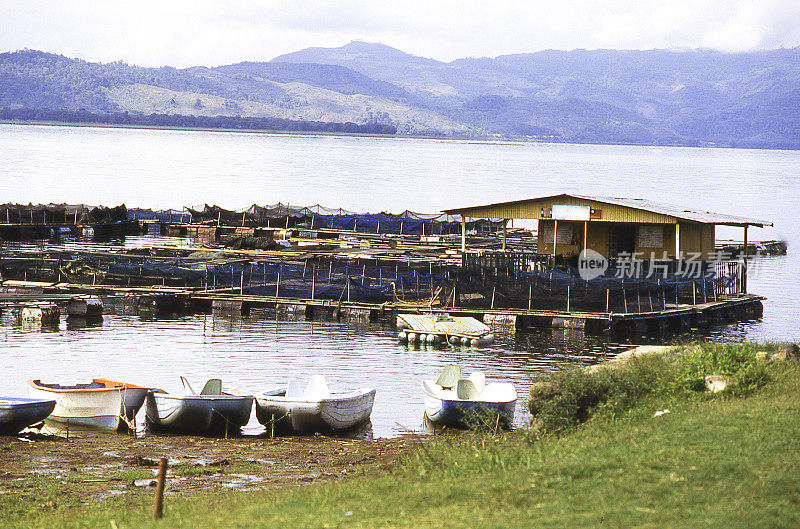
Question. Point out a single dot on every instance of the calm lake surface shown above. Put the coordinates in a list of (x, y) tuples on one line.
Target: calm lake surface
[(172, 169)]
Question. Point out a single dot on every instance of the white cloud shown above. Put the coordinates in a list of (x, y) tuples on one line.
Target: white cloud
[(185, 33)]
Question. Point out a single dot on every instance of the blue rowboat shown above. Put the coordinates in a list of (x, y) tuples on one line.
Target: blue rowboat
[(455, 401), (17, 413)]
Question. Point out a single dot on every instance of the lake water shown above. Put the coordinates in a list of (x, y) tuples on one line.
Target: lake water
[(172, 169)]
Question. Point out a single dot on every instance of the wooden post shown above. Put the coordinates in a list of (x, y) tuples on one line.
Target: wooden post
[(608, 299), (555, 239), (567, 298), (504, 234), (241, 283), (463, 234), (313, 282), (744, 262), (530, 292), (585, 235), (624, 298), (677, 241), (278, 284), (493, 291), (158, 507)]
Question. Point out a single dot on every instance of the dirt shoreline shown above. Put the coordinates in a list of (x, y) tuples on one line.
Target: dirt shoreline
[(96, 465)]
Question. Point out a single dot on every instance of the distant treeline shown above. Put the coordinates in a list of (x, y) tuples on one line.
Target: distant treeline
[(201, 122)]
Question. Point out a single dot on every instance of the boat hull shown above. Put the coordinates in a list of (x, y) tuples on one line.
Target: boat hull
[(112, 408), (302, 416), (459, 414), (18, 413), (197, 414)]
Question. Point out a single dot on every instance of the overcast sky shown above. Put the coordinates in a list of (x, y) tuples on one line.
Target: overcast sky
[(196, 32)]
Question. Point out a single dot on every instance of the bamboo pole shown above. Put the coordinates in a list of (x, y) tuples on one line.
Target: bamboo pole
[(744, 267)]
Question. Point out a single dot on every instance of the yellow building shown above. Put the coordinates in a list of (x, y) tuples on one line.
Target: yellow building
[(612, 226)]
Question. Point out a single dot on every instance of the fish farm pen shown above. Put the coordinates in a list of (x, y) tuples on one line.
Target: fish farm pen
[(321, 262)]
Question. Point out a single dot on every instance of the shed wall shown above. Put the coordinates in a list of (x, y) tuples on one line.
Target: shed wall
[(533, 209)]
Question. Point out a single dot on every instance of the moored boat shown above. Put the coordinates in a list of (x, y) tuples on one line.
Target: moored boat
[(211, 412), (452, 400), (17, 413), (101, 403), (314, 410)]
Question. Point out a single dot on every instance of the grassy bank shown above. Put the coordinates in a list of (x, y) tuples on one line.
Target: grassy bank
[(729, 460)]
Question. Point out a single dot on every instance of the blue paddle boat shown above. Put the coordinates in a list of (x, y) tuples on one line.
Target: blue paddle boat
[(17, 413)]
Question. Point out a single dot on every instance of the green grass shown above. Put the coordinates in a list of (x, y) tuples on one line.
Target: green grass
[(731, 460)]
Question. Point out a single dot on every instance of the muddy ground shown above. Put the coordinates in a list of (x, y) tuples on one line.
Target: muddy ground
[(96, 465)]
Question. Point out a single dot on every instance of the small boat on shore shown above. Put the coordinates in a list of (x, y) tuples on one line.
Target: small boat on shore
[(211, 412), (101, 403), (316, 409), (456, 401), (17, 413)]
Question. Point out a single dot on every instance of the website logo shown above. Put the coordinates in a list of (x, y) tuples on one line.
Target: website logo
[(591, 264)]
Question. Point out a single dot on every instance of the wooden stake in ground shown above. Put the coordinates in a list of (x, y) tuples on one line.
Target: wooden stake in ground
[(158, 507)]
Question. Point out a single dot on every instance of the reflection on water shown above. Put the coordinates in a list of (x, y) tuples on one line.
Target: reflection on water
[(260, 351), (171, 169)]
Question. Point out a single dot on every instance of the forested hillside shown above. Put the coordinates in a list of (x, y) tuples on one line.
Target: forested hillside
[(685, 97)]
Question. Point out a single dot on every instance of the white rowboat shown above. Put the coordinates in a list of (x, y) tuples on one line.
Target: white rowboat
[(212, 412), (314, 410), (100, 404)]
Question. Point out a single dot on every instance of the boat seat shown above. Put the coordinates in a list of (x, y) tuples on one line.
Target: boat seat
[(479, 379), (188, 386), (317, 388), (466, 390), (450, 376), (293, 389), (212, 387)]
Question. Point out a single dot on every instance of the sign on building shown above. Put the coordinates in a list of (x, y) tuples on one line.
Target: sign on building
[(571, 212)]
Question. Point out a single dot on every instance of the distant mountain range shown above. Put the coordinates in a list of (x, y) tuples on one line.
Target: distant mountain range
[(665, 97)]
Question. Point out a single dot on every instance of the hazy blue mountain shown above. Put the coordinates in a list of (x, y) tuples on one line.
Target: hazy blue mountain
[(692, 97), (328, 76)]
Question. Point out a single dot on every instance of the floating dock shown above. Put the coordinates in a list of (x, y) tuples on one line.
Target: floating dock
[(678, 318)]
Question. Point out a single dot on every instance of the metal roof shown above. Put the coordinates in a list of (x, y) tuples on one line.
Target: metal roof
[(692, 215)]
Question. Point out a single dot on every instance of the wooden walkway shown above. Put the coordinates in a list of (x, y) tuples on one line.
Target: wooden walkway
[(741, 307)]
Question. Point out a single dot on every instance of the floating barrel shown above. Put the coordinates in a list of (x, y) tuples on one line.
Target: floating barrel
[(402, 336), (85, 307), (40, 312)]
